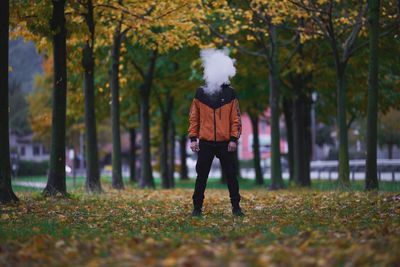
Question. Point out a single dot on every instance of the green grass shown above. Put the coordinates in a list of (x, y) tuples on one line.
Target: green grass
[(213, 183), (136, 227)]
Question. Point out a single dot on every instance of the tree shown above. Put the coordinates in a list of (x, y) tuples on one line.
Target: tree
[(250, 84), (341, 53), (117, 181), (340, 24), (297, 81), (183, 80), (287, 107), (112, 22), (147, 179), (163, 26), (129, 116), (132, 155), (92, 183), (171, 148), (256, 149), (56, 182), (259, 23), (6, 193), (172, 79), (371, 175), (389, 130), (166, 122)]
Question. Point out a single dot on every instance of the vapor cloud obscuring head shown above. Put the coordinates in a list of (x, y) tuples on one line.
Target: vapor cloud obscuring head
[(218, 68)]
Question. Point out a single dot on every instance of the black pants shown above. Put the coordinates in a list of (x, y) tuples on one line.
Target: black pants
[(205, 158)]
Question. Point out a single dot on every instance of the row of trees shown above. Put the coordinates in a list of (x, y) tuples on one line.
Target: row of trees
[(139, 56), (292, 30)]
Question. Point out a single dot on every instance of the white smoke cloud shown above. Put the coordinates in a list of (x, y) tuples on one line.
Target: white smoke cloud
[(218, 68)]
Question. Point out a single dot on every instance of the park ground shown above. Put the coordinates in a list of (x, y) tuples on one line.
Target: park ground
[(134, 227)]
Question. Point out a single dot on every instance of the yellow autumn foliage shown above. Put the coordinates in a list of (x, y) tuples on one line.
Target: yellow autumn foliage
[(154, 228)]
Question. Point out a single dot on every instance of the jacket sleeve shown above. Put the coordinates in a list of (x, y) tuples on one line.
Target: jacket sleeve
[(194, 120), (236, 121)]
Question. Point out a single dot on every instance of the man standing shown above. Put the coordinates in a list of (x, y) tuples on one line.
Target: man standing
[(215, 127)]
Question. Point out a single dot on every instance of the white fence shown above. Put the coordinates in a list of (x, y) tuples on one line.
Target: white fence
[(388, 170)]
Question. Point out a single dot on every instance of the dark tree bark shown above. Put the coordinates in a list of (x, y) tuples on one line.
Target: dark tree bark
[(165, 181), (167, 152), (6, 193), (183, 157), (344, 169), (276, 168), (299, 140), (93, 183), (390, 150), (171, 153), (341, 60), (288, 112), (146, 179), (371, 173), (308, 137), (256, 150), (342, 52), (301, 135), (166, 113), (56, 182), (132, 155), (117, 181)]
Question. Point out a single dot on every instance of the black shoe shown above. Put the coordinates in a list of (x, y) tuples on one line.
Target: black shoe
[(237, 212), (196, 213)]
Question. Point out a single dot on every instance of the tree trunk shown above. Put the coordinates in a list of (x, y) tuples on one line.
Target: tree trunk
[(371, 174), (117, 181), (299, 140), (343, 180), (6, 193), (171, 153), (146, 179), (288, 112), (276, 169), (164, 152), (308, 139), (390, 150), (56, 182), (256, 150), (183, 157), (301, 135), (93, 183), (132, 158)]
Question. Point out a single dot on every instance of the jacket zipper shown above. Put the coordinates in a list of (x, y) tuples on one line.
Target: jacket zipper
[(215, 128)]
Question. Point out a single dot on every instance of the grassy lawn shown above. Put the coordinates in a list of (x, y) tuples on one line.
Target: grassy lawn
[(213, 183), (136, 227)]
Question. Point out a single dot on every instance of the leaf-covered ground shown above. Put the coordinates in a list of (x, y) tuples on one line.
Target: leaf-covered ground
[(154, 228)]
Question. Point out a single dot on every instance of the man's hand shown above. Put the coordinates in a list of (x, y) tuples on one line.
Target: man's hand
[(194, 146), (232, 146)]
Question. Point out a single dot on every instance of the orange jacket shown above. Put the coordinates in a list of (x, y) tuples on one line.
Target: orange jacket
[(216, 117)]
